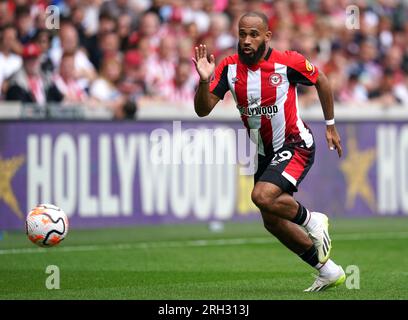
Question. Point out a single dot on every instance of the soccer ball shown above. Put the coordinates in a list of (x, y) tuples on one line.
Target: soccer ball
[(46, 225)]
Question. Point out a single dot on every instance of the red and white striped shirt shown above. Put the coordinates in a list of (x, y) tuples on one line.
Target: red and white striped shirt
[(266, 96)]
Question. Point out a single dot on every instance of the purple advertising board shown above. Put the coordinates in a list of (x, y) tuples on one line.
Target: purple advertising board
[(123, 173)]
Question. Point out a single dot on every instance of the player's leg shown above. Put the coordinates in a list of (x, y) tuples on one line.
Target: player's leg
[(276, 179), (282, 224), (274, 187), (271, 199), (295, 239)]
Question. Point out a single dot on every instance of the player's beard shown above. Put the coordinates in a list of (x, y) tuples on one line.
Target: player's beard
[(254, 57)]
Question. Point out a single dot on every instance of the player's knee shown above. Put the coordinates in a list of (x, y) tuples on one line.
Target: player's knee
[(258, 198), (263, 200)]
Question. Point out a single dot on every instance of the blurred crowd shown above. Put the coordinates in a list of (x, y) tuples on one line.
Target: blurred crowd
[(116, 52)]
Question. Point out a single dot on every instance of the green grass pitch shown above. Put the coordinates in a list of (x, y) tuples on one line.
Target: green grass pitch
[(191, 262)]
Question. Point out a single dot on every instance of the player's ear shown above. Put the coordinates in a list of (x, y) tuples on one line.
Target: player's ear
[(268, 36)]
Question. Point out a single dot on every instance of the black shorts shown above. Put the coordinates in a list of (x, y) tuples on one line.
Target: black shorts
[(286, 167)]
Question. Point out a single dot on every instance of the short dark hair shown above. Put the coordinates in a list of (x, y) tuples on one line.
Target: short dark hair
[(39, 32), (258, 14), (22, 11), (130, 109), (7, 26), (106, 15)]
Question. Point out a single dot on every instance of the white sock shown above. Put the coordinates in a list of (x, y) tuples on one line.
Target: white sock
[(327, 269)]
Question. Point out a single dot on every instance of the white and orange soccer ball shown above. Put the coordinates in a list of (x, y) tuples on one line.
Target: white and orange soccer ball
[(46, 225)]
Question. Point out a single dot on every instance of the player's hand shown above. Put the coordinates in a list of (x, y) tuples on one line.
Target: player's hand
[(333, 139), (204, 67)]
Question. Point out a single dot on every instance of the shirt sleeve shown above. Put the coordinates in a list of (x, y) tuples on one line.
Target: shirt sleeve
[(219, 82), (300, 70)]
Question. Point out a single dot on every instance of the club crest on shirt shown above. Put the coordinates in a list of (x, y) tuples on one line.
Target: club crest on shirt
[(275, 79)]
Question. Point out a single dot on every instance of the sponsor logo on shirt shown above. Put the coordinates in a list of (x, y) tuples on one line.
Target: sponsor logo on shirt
[(255, 109), (309, 67)]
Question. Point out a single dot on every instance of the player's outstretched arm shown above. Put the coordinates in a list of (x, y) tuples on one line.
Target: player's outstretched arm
[(204, 100), (326, 99)]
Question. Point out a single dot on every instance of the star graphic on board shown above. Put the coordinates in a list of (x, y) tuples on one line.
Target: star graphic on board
[(8, 168), (355, 168)]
